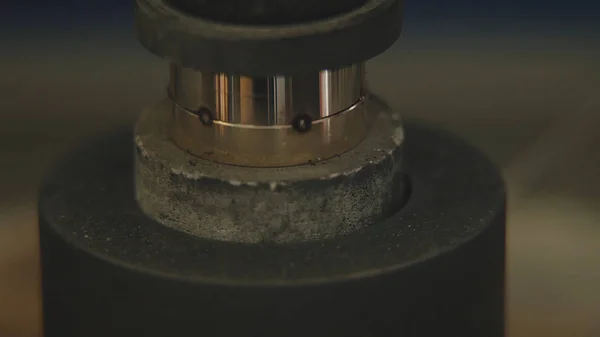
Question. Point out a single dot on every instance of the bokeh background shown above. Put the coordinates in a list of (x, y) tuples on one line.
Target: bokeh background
[(520, 79)]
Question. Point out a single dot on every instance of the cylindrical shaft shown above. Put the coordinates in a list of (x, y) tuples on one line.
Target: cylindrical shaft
[(273, 100), (268, 121)]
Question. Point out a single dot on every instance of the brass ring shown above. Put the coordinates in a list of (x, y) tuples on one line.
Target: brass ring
[(269, 145)]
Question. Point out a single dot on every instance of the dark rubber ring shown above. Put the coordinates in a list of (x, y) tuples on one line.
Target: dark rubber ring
[(204, 45), (265, 12)]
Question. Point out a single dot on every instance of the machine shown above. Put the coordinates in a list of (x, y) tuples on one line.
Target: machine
[(271, 194)]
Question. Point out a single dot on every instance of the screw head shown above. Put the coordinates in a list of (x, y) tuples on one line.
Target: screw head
[(205, 116), (302, 123)]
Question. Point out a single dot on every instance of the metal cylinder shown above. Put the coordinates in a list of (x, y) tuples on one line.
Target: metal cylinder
[(272, 100), (268, 121)]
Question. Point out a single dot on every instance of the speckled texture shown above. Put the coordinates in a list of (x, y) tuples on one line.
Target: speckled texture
[(434, 268), (240, 204)]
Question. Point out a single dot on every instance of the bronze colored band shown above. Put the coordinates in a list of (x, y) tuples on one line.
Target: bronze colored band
[(269, 145), (272, 100)]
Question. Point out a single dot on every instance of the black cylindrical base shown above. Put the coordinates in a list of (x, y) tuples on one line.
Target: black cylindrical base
[(436, 268)]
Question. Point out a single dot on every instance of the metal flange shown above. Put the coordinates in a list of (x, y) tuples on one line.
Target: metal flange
[(257, 50)]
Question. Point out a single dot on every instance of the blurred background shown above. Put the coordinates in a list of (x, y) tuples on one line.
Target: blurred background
[(520, 79)]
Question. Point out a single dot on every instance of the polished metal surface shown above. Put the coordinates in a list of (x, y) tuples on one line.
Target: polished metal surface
[(268, 145), (274, 100), (252, 120)]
